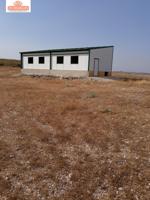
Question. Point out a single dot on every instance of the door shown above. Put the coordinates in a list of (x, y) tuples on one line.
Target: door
[(96, 66)]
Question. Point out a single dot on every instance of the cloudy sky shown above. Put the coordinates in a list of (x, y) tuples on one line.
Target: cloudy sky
[(81, 23)]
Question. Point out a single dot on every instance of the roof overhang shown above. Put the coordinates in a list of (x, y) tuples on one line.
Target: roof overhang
[(66, 50)]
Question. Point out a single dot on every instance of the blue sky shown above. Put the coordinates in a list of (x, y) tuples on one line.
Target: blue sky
[(80, 23)]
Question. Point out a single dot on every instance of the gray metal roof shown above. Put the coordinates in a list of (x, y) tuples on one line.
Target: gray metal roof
[(66, 50)]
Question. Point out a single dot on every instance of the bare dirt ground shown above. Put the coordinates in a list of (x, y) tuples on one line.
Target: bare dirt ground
[(73, 139)]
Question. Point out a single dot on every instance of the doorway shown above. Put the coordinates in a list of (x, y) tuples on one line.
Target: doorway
[(96, 66)]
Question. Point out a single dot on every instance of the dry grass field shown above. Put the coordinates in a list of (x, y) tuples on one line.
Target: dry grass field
[(9, 62), (131, 76), (73, 139)]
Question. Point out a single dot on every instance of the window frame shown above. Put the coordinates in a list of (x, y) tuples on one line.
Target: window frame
[(74, 62), (29, 62), (43, 60), (58, 62)]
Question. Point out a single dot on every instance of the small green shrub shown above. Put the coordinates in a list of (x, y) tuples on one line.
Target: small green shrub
[(107, 110), (91, 95)]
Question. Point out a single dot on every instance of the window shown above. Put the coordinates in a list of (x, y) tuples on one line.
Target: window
[(74, 59), (30, 60), (41, 60), (106, 73), (60, 60)]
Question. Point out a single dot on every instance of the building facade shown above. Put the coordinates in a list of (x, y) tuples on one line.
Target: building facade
[(77, 62)]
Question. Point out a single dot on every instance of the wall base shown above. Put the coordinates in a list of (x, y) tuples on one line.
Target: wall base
[(56, 73), (63, 73), (100, 74)]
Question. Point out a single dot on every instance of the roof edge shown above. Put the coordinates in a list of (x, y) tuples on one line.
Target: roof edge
[(66, 49)]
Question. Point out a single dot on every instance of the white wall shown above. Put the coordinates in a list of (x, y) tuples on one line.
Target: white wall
[(105, 56), (36, 64), (82, 65)]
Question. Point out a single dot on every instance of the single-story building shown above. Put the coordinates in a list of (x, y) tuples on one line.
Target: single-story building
[(74, 62)]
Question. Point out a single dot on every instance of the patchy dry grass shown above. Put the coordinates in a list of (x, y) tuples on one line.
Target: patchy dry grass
[(131, 76), (59, 141), (9, 62)]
